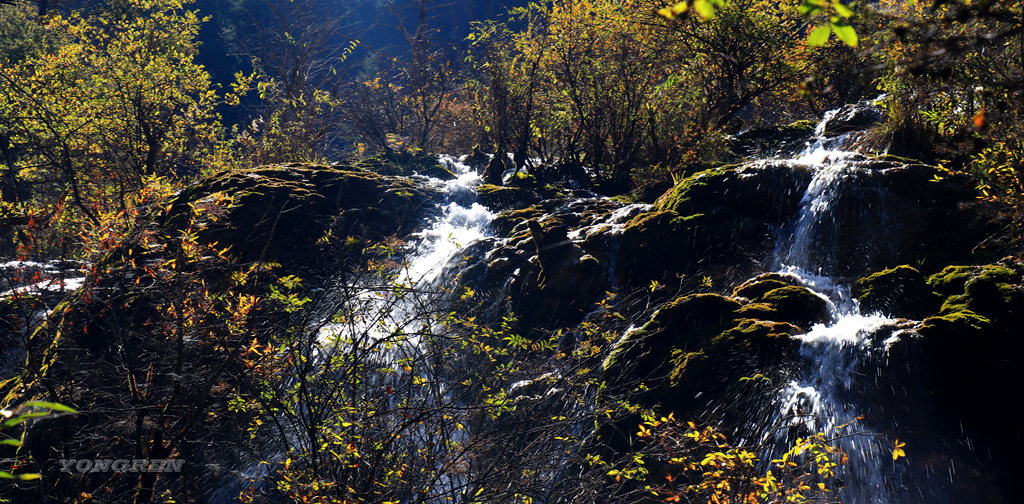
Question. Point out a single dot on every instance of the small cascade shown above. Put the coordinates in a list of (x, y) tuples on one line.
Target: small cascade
[(389, 314), (459, 222), (826, 395), (463, 221)]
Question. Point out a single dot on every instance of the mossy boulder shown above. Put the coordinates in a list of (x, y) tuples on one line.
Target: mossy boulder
[(793, 304), (761, 284), (971, 351), (955, 279), (278, 213), (684, 323), (768, 192), (501, 198), (406, 163), (717, 222), (941, 217), (772, 141), (694, 350), (900, 291), (515, 219)]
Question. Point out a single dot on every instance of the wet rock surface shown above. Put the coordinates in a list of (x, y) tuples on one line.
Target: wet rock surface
[(278, 213)]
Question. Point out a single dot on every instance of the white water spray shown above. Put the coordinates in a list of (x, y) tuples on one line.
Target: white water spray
[(824, 397)]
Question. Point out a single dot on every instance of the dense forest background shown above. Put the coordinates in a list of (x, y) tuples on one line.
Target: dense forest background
[(115, 92), (231, 180)]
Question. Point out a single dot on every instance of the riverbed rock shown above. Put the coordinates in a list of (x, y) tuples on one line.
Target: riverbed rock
[(852, 117), (500, 198), (761, 284), (405, 163), (968, 352), (279, 213), (695, 348), (772, 141), (792, 303), (901, 290)]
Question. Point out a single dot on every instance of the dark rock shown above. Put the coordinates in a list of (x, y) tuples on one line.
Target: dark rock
[(495, 169), (563, 285), (405, 163), (772, 141), (793, 304), (278, 213), (900, 291), (686, 322), (477, 160), (970, 351), (852, 117), (768, 192), (501, 198), (696, 349)]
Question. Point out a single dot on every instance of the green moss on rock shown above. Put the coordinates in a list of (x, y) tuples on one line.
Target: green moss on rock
[(793, 304), (405, 163), (957, 324), (676, 198), (760, 285), (753, 329), (899, 291), (683, 322), (953, 279), (501, 198), (278, 213)]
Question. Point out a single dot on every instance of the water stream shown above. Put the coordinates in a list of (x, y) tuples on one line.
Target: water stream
[(384, 318), (825, 395)]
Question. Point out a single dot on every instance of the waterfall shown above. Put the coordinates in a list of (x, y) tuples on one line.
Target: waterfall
[(459, 222), (825, 396), (389, 314), (463, 221)]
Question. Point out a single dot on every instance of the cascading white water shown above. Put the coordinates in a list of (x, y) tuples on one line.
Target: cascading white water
[(384, 314), (824, 396), (461, 222)]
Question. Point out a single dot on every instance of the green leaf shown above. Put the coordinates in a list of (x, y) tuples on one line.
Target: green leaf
[(29, 476), (674, 11), (819, 36), (21, 418), (842, 10), (704, 8), (51, 406), (810, 7), (10, 442), (846, 33)]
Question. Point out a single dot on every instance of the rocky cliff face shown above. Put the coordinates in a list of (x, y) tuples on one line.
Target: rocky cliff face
[(718, 327)]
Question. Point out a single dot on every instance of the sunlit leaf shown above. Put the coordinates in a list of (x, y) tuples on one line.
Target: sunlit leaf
[(51, 406), (674, 11), (842, 10), (705, 8), (846, 33), (819, 36)]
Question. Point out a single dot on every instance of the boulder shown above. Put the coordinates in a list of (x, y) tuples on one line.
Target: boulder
[(970, 352), (851, 117), (502, 198), (901, 291), (279, 213), (405, 163), (761, 284), (774, 141), (793, 304), (684, 324)]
